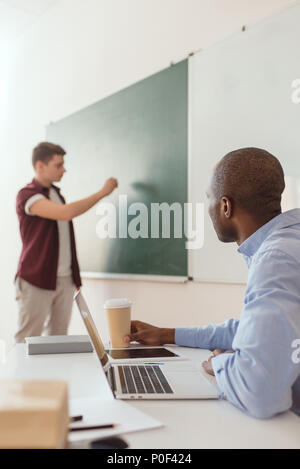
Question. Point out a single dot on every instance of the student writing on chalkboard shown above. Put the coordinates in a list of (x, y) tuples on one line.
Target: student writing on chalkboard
[(256, 361), (48, 270)]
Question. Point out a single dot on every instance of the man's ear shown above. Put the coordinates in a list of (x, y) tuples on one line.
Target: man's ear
[(38, 166), (227, 207)]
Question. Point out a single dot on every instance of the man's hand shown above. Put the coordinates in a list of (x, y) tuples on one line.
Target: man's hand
[(109, 186), (147, 334), (207, 365)]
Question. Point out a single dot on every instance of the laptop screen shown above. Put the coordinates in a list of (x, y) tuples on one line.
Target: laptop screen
[(92, 330)]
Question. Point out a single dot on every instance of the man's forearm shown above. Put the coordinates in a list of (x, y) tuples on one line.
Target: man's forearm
[(79, 207), (211, 337), (47, 209)]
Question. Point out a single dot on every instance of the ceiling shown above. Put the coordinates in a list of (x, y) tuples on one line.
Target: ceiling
[(18, 15)]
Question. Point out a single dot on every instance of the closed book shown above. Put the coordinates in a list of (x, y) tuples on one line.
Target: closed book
[(58, 344)]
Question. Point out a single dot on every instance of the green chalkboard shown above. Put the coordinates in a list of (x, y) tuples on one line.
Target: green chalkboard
[(140, 136)]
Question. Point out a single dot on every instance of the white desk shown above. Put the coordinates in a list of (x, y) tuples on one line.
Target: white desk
[(188, 424)]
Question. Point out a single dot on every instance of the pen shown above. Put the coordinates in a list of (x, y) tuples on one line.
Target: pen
[(154, 363), (77, 418), (93, 427)]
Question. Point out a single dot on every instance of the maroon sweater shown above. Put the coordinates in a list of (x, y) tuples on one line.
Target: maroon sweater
[(39, 256)]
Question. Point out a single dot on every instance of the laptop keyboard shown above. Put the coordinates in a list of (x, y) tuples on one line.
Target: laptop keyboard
[(143, 380)]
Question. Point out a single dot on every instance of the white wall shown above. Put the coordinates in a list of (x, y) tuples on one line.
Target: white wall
[(77, 53)]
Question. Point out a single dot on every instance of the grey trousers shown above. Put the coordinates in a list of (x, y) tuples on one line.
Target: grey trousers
[(44, 310)]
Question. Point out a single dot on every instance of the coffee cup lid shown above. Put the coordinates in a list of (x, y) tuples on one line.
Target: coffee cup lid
[(117, 303)]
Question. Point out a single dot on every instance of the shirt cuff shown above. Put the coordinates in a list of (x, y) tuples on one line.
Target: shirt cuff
[(218, 366), (31, 201), (185, 336)]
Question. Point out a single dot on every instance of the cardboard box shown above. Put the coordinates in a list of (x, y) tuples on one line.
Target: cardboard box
[(33, 414)]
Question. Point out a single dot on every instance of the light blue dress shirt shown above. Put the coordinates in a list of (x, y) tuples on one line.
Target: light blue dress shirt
[(262, 377)]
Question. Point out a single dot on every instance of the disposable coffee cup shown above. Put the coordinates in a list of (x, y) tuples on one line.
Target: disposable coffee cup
[(118, 311)]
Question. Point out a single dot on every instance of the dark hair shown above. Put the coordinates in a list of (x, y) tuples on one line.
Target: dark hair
[(252, 178), (45, 151)]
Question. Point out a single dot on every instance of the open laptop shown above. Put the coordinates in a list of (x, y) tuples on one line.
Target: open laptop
[(170, 380)]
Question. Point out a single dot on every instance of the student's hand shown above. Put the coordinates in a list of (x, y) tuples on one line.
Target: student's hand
[(207, 365), (147, 334), (109, 186)]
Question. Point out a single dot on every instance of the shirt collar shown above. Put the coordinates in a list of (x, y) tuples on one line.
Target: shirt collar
[(40, 187), (252, 244), (37, 185)]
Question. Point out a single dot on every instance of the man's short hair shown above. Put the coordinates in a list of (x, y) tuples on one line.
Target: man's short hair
[(45, 151), (252, 178)]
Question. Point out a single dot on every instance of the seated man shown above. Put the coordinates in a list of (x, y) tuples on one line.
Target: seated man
[(257, 361)]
